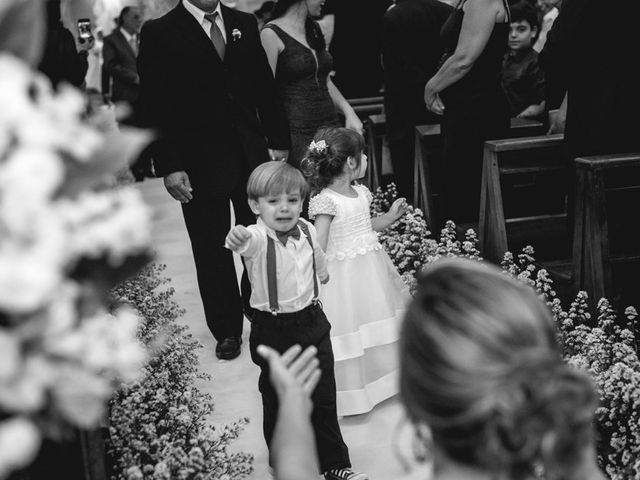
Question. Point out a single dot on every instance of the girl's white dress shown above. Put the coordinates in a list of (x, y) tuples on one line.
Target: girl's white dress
[(365, 301)]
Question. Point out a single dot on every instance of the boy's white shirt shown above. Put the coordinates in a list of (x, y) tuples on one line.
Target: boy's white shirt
[(294, 267)]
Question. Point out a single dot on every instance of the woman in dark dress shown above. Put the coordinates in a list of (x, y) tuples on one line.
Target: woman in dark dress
[(301, 65), (466, 90)]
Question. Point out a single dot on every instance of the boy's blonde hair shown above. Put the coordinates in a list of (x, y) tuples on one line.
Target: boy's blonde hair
[(275, 177)]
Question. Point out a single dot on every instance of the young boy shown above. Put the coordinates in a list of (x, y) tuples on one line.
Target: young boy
[(284, 262), (522, 78)]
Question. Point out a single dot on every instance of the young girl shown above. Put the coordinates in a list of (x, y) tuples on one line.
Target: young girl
[(366, 298)]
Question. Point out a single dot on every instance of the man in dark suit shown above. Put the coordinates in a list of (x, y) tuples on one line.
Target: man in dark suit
[(411, 51), (206, 85), (119, 52)]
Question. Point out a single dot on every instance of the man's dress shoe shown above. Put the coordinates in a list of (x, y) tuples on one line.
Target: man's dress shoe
[(229, 348)]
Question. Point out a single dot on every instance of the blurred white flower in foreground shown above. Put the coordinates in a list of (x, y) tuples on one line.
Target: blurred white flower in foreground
[(67, 235)]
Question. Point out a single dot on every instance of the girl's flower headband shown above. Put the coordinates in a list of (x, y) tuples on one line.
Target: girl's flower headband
[(318, 147)]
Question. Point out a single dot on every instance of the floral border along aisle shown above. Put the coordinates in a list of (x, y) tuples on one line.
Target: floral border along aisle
[(159, 426), (65, 239)]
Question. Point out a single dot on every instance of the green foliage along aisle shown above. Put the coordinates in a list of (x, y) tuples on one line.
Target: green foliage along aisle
[(158, 426), (607, 351)]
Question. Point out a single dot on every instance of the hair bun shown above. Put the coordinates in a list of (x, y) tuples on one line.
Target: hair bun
[(542, 415)]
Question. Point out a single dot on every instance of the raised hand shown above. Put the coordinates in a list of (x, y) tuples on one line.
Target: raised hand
[(237, 237), (179, 186), (292, 372), (398, 208)]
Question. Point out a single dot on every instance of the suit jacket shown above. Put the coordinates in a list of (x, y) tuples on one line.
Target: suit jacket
[(120, 67), (589, 54), (215, 118), (411, 52)]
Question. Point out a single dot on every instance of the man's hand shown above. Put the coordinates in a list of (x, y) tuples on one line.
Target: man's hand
[(293, 372), (278, 155), (178, 186), (237, 237)]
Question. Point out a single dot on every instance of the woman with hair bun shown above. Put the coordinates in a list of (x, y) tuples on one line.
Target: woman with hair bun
[(481, 370), (301, 63)]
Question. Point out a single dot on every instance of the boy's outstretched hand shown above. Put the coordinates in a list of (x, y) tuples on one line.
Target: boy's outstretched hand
[(293, 372), (237, 237), (398, 208)]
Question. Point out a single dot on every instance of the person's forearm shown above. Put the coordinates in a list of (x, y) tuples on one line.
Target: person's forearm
[(381, 222), (339, 101), (453, 69), (293, 444)]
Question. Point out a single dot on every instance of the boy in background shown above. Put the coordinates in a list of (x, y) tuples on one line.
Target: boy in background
[(522, 78)]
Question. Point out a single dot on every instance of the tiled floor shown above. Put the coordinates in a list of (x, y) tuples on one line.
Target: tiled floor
[(370, 437)]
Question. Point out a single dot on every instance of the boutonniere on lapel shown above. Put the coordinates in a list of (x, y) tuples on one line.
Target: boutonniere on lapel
[(236, 34)]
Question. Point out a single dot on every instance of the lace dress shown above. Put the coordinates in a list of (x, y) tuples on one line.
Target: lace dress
[(364, 301)]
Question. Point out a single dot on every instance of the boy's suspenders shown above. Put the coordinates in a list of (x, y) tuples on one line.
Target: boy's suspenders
[(272, 280)]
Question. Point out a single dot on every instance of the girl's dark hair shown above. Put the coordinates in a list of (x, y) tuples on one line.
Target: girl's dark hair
[(314, 35), (481, 367), (322, 165)]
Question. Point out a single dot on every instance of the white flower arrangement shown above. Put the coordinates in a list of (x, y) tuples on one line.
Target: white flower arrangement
[(236, 34), (62, 353), (607, 351)]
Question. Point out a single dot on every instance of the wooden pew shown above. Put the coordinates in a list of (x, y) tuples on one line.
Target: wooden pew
[(374, 128), (427, 161), (367, 106), (607, 194), (536, 166)]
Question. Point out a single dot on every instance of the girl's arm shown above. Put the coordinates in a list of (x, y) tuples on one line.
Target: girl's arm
[(322, 224), (477, 24), (273, 46), (383, 221), (351, 118)]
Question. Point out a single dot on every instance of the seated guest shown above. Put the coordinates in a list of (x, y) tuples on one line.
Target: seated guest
[(522, 77), (482, 380)]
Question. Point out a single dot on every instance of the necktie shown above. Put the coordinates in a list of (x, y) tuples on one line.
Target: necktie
[(134, 44), (216, 34), (284, 236)]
